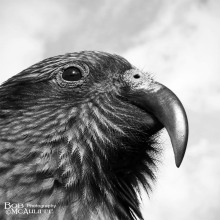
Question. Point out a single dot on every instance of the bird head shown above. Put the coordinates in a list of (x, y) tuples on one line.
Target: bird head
[(84, 127)]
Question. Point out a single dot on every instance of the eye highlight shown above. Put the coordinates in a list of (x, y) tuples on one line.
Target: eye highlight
[(72, 74)]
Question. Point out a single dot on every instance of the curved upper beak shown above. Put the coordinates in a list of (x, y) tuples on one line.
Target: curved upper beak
[(161, 102)]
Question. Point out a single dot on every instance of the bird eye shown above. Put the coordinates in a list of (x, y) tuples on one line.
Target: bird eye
[(72, 74)]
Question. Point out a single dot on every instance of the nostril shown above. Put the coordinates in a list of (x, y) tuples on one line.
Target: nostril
[(136, 76)]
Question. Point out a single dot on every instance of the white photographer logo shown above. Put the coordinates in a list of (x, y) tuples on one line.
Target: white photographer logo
[(8, 205)]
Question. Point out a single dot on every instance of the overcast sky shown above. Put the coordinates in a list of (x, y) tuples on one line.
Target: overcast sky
[(178, 41)]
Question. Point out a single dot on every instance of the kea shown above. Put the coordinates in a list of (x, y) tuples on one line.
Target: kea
[(79, 134)]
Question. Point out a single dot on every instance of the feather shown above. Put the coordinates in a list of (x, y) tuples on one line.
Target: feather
[(82, 147)]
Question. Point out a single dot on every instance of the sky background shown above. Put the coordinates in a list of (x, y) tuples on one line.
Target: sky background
[(178, 41)]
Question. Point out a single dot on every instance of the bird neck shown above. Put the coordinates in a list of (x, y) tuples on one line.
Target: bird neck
[(92, 157)]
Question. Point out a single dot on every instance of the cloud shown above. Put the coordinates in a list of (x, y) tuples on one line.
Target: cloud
[(191, 192), (109, 26), (183, 47), (25, 27)]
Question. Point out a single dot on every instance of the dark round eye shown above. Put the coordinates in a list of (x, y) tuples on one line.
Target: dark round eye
[(72, 74)]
